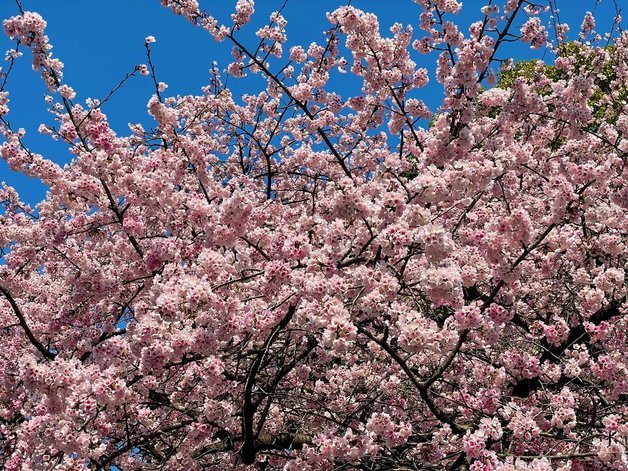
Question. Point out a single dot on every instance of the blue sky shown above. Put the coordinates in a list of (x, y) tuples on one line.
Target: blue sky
[(99, 41)]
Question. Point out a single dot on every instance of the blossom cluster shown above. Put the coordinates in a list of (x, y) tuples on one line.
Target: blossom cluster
[(307, 278)]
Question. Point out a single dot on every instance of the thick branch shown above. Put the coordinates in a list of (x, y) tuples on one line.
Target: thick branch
[(577, 335), (47, 354), (423, 386), (249, 408)]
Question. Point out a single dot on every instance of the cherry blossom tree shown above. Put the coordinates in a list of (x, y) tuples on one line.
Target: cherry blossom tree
[(295, 279)]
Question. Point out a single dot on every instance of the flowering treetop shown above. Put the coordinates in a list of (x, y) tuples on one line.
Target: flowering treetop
[(295, 279)]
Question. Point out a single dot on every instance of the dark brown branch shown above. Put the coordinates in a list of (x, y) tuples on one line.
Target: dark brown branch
[(311, 345), (248, 451), (577, 335), (450, 358), (47, 354), (282, 441), (109, 334), (422, 386), (114, 207), (300, 104), (104, 461)]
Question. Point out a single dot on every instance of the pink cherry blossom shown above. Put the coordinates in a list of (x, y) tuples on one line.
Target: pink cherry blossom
[(312, 277)]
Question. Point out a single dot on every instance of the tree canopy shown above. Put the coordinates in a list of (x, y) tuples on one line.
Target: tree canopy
[(296, 279)]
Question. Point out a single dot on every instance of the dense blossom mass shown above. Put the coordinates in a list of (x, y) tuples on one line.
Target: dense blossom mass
[(305, 279)]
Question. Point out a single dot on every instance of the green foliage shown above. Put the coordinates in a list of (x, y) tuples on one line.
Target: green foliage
[(586, 62), (528, 70)]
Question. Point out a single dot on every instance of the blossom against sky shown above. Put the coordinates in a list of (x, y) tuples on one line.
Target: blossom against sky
[(100, 41)]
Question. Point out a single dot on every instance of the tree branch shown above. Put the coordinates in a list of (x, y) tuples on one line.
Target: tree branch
[(47, 354), (248, 451)]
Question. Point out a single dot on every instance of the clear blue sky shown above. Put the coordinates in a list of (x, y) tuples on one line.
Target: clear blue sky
[(99, 41)]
